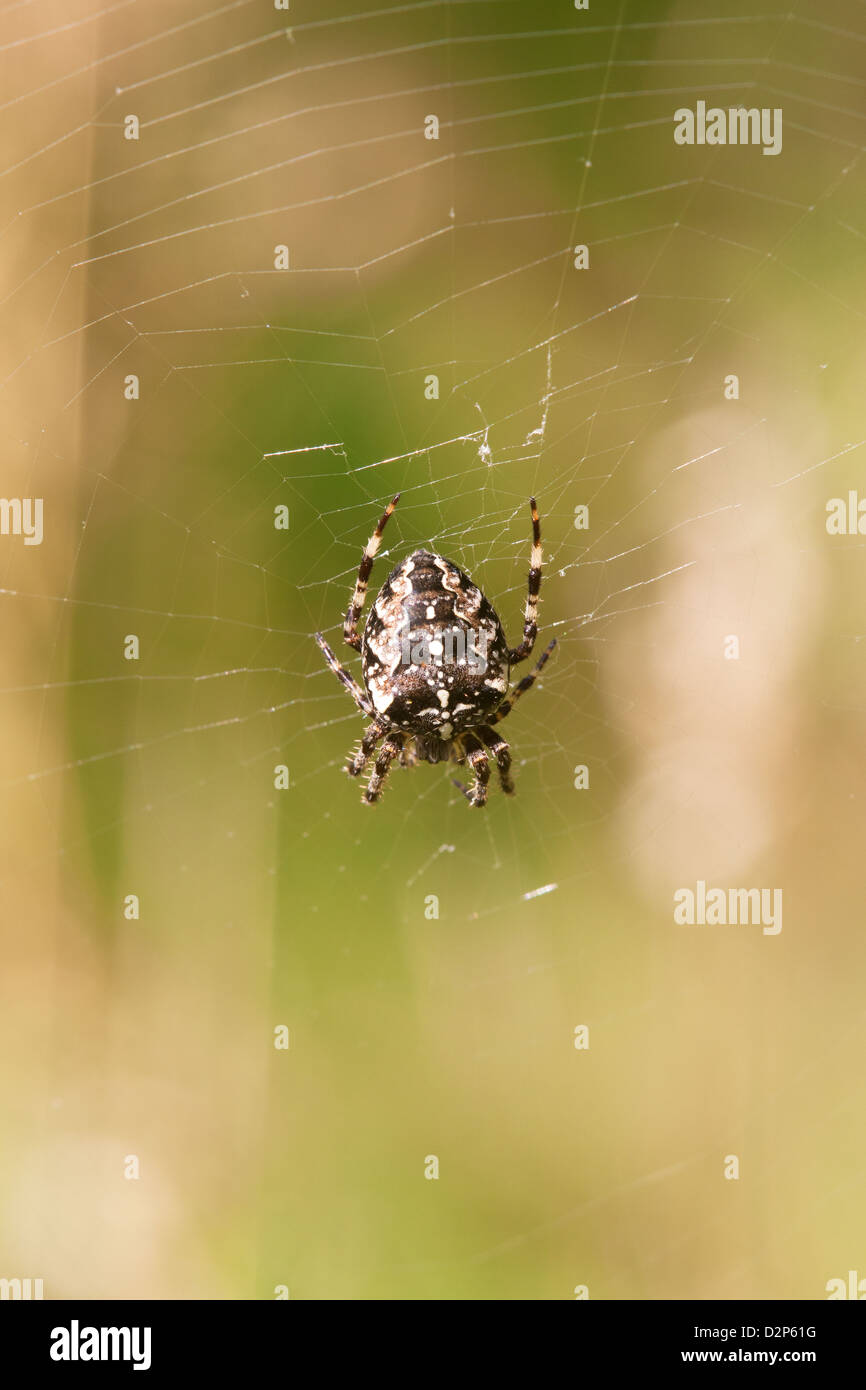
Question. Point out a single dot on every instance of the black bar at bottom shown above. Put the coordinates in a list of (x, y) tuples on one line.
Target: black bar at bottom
[(67, 1338)]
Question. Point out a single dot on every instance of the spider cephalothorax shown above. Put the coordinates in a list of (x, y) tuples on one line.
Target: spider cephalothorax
[(436, 666)]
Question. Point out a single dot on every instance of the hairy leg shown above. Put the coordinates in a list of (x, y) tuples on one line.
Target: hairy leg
[(390, 749), (358, 761), (354, 689), (476, 757), (502, 753), (353, 612), (522, 686), (530, 617)]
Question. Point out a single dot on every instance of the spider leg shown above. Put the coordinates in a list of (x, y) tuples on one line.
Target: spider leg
[(390, 749), (347, 678), (353, 612), (522, 686), (408, 755), (357, 762), (530, 617), (502, 753), (476, 757)]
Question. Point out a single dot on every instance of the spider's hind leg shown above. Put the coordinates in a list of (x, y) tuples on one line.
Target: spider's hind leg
[(530, 615), (522, 686), (356, 603), (346, 677)]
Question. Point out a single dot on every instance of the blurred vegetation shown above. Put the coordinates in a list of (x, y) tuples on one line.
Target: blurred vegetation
[(451, 1036)]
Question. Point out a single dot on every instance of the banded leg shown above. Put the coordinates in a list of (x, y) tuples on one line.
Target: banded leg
[(502, 753), (408, 755), (524, 685), (357, 762), (390, 749), (353, 612), (530, 617), (476, 757), (347, 678)]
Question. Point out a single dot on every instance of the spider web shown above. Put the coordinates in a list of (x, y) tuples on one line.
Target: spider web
[(432, 335)]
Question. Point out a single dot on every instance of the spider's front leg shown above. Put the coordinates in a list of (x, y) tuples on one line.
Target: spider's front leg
[(409, 753), (387, 753), (358, 761), (502, 753), (476, 757)]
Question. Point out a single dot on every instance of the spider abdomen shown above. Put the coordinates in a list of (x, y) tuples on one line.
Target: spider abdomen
[(434, 655)]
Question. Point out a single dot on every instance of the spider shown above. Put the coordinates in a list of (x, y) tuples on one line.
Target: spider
[(436, 667)]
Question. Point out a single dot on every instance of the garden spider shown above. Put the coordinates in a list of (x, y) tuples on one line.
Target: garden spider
[(436, 667)]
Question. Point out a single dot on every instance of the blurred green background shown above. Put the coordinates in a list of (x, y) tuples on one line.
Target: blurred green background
[(413, 1035)]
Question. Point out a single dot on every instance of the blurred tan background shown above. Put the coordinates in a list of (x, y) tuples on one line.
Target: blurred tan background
[(413, 1036)]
